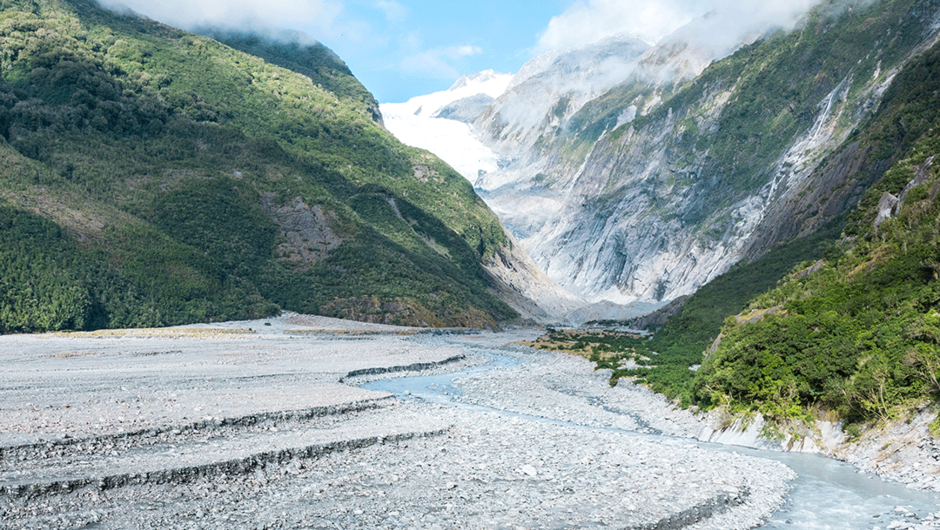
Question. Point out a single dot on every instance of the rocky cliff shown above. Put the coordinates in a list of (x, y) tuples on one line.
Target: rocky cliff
[(635, 172)]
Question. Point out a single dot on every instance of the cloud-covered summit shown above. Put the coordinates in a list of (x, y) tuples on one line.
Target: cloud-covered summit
[(588, 21), (236, 14)]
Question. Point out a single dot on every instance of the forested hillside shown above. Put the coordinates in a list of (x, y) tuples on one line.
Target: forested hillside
[(150, 176), (858, 333), (843, 321)]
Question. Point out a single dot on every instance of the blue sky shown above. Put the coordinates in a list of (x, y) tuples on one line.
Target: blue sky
[(397, 48), (405, 48), (422, 46)]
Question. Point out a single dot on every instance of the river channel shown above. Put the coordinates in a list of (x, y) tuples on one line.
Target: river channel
[(828, 494)]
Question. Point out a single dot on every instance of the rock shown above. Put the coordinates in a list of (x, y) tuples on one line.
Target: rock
[(482, 469)]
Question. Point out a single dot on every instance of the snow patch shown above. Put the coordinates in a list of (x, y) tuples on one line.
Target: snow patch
[(452, 141), (488, 82)]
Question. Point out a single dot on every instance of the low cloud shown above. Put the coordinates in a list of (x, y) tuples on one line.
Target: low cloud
[(320, 15), (438, 63), (588, 21), (704, 31)]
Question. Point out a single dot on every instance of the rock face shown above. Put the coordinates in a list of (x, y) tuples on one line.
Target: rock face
[(466, 109), (440, 123), (631, 172), (901, 451), (651, 190), (548, 90), (310, 238), (520, 283)]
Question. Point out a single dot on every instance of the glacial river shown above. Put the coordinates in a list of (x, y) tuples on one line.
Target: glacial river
[(827, 495)]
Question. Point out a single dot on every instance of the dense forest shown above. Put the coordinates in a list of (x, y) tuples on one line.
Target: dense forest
[(151, 176), (858, 333)]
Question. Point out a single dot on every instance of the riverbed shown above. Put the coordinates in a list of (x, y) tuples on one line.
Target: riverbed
[(826, 493), (306, 422)]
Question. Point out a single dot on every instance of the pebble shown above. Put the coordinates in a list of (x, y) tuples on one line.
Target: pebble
[(537, 467)]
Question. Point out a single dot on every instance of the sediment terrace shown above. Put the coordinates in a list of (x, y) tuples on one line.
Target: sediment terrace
[(247, 425)]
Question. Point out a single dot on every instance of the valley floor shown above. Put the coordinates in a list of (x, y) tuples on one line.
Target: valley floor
[(263, 424)]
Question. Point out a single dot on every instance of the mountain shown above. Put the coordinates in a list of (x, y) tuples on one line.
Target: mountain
[(633, 172), (837, 325), (301, 54), (856, 333), (718, 169), (548, 90), (152, 176), (439, 122)]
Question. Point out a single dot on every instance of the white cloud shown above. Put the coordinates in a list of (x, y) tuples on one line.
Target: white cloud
[(588, 21), (438, 62), (456, 52), (320, 15), (394, 11)]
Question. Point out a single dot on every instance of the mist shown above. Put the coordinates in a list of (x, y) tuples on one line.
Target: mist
[(712, 28), (719, 25), (238, 15), (699, 31)]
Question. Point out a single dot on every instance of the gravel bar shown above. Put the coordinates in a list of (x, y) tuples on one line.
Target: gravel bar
[(246, 425)]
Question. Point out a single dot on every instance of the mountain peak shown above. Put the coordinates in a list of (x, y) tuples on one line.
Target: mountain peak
[(281, 190), (478, 78)]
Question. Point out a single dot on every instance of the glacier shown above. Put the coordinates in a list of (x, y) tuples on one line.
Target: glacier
[(601, 161), (415, 123)]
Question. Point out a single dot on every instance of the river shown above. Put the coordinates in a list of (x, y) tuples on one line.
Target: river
[(828, 494)]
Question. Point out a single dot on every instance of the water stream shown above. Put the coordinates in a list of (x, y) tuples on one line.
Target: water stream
[(827, 495)]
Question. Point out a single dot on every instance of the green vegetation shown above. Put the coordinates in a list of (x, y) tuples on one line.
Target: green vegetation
[(780, 81), (165, 158), (860, 336), (680, 343), (857, 334), (603, 347), (43, 282), (719, 137), (852, 334), (909, 110), (48, 282), (324, 68), (865, 302)]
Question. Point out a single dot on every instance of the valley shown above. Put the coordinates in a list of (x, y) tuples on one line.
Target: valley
[(238, 292), (761, 195), (288, 421), (634, 173)]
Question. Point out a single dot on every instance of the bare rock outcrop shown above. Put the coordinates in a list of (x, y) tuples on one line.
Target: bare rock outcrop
[(309, 232)]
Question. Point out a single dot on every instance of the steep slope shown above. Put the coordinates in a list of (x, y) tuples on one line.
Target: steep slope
[(858, 302), (183, 180), (659, 185), (439, 122), (301, 54), (858, 332), (548, 90)]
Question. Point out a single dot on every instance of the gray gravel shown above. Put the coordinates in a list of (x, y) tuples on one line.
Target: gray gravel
[(217, 429), (563, 387)]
